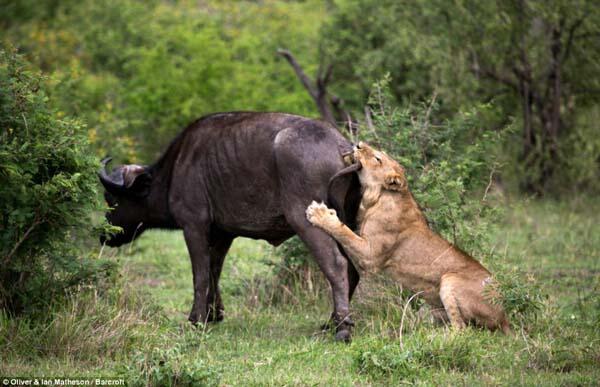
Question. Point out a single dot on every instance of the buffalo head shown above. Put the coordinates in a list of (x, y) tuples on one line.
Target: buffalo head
[(127, 188)]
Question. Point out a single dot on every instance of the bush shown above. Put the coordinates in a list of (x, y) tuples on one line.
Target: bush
[(296, 278), (450, 165), (47, 192), (522, 298), (454, 351), (167, 367), (89, 322), (296, 263)]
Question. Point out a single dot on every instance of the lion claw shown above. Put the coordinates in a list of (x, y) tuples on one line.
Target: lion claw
[(320, 215)]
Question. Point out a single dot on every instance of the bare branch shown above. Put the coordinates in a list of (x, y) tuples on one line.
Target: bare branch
[(492, 74), (317, 90), (306, 82), (328, 73), (346, 117), (588, 35), (36, 222), (570, 38), (330, 106), (369, 119), (429, 109)]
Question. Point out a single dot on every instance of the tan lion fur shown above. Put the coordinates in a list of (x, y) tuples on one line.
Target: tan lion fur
[(394, 237)]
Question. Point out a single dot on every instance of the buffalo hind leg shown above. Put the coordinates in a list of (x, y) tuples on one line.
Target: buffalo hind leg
[(332, 263), (218, 251), (353, 279)]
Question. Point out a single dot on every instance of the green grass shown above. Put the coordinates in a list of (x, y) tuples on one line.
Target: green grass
[(271, 336)]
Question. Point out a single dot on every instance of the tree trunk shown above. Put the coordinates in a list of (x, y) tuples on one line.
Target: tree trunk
[(541, 136)]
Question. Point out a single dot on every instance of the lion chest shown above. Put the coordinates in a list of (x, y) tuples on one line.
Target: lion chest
[(374, 225)]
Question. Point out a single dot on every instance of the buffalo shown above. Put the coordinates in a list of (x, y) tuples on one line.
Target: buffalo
[(241, 174)]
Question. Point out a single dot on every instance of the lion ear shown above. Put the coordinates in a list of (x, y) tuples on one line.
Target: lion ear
[(394, 182)]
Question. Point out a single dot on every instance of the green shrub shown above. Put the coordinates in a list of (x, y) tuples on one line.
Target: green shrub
[(454, 351), (167, 367), (47, 193), (89, 322), (522, 297), (450, 164), (386, 359), (451, 167), (295, 261)]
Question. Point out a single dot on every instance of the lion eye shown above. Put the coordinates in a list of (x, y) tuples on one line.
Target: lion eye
[(378, 159)]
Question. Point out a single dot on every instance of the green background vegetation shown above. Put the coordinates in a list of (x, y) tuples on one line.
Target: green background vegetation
[(491, 106)]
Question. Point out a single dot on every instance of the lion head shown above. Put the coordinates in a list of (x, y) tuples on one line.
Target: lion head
[(379, 169)]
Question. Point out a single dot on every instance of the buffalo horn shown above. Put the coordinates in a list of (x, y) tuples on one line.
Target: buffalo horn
[(106, 180)]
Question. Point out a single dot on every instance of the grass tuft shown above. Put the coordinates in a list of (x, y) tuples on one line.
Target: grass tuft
[(421, 353), (167, 367)]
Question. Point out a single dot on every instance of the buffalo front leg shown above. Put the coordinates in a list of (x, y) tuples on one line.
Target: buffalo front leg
[(218, 251), (197, 244)]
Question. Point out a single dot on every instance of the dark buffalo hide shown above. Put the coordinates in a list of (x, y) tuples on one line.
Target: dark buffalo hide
[(241, 174)]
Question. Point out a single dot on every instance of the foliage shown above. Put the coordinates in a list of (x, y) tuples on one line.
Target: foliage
[(138, 72), (293, 260), (109, 318), (165, 368), (363, 40), (536, 60), (47, 192), (450, 165), (578, 171), (522, 297), (450, 351)]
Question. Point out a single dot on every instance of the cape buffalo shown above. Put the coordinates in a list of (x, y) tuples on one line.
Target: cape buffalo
[(240, 174)]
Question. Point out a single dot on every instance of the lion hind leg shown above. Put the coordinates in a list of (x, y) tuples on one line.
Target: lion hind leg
[(464, 301), (449, 299)]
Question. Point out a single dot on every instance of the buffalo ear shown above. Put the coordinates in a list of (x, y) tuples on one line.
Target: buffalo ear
[(137, 180), (394, 182)]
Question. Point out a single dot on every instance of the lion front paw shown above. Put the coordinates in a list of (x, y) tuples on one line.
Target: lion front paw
[(322, 216)]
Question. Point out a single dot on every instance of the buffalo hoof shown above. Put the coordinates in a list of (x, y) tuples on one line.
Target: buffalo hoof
[(343, 329), (215, 316), (331, 324), (195, 318), (343, 335), (215, 319)]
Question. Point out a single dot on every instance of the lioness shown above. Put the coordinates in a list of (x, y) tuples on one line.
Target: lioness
[(394, 237)]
